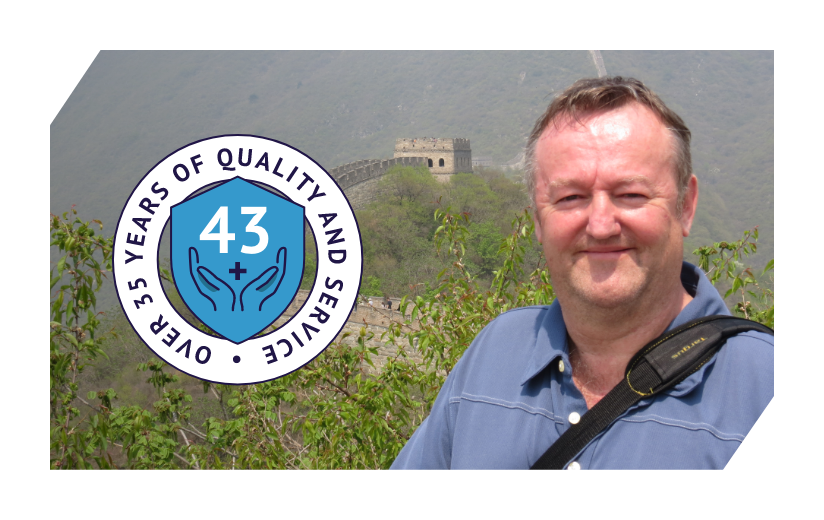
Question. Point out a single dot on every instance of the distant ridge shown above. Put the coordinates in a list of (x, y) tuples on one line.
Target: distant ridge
[(599, 63)]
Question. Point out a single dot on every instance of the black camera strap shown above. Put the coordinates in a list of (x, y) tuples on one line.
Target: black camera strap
[(662, 363)]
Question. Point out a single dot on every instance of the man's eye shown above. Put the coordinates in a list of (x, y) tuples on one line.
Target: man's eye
[(569, 198), (632, 196)]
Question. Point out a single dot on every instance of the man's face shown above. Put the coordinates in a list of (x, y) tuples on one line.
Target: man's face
[(606, 198)]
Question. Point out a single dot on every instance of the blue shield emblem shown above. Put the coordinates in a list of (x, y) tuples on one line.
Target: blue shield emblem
[(237, 256)]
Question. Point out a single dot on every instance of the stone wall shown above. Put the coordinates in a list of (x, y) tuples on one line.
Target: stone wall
[(375, 319), (440, 143), (359, 179), (363, 193), (445, 156), (349, 175), (350, 167)]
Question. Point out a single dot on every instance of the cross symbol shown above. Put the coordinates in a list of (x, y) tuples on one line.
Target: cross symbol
[(237, 271)]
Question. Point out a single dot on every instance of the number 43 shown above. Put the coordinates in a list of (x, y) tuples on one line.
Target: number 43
[(221, 220)]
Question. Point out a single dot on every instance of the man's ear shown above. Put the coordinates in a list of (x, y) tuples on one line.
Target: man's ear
[(689, 206)]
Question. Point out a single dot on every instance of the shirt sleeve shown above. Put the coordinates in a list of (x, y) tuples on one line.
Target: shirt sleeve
[(431, 445)]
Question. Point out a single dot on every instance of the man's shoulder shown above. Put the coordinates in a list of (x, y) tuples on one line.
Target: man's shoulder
[(751, 351), (520, 314), (515, 325), (742, 375), (751, 347), (753, 339), (507, 345)]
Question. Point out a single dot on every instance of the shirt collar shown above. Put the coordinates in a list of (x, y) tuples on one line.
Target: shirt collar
[(550, 343), (551, 339)]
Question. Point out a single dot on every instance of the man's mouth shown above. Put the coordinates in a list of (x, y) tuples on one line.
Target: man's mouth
[(605, 253)]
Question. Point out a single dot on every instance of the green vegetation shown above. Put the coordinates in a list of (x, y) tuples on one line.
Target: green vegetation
[(398, 231), (339, 411)]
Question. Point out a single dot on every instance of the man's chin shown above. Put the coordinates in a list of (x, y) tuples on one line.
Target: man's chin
[(606, 295), (608, 302)]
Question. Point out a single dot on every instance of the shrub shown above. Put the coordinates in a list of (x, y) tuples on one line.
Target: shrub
[(340, 411)]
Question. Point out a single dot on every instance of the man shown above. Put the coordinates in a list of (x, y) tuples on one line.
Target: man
[(609, 171)]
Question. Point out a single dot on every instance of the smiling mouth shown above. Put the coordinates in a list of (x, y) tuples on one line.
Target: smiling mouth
[(605, 254)]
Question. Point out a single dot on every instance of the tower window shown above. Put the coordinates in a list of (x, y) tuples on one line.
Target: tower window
[(430, 162), (440, 162)]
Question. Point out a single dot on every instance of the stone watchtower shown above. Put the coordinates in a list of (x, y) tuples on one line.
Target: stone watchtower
[(443, 156)]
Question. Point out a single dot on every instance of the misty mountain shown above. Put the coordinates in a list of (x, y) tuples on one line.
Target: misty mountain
[(131, 109)]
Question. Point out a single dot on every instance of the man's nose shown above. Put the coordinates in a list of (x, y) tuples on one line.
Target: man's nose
[(603, 222)]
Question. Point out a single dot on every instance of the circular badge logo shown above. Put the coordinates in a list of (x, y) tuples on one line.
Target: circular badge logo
[(236, 207)]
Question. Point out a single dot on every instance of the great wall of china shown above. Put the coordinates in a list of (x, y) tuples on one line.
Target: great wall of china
[(598, 60), (359, 179), (444, 157), (375, 319)]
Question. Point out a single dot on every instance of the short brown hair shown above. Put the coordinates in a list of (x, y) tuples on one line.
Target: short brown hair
[(588, 96)]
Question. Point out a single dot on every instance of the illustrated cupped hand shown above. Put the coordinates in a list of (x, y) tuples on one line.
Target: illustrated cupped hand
[(265, 285), (211, 286), (221, 295)]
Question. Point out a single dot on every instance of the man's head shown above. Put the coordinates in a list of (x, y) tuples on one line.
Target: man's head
[(613, 194)]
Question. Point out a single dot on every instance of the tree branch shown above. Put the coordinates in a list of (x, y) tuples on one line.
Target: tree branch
[(183, 459), (339, 389), (220, 400), (188, 445)]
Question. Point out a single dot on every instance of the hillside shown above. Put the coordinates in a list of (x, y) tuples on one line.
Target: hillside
[(131, 109)]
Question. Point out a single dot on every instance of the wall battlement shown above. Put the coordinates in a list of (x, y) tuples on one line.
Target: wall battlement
[(443, 157), (356, 172), (360, 179), (352, 166), (404, 144)]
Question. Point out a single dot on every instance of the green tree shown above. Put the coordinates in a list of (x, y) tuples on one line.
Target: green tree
[(343, 410), (483, 248), (73, 341), (723, 263)]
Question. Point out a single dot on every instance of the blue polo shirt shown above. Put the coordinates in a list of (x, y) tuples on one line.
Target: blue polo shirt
[(511, 396)]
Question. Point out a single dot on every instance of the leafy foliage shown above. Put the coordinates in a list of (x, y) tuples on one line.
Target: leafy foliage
[(77, 276), (343, 410), (399, 233), (723, 262)]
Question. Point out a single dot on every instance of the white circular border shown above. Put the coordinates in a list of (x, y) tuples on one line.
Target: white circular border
[(255, 364)]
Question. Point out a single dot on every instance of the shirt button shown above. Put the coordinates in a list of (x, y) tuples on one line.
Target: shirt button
[(574, 465), (561, 366), (574, 418)]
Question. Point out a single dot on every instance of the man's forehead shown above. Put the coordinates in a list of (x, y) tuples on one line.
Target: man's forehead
[(617, 123), (631, 129)]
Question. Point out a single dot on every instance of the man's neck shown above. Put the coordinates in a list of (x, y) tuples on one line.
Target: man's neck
[(602, 341)]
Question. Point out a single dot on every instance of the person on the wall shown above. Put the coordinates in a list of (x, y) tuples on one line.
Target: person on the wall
[(609, 170)]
